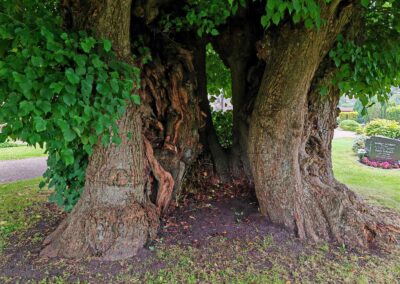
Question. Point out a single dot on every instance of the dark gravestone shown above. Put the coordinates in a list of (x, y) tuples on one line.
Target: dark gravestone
[(383, 149)]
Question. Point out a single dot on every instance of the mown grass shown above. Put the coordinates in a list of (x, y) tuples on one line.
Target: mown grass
[(20, 152), (15, 199), (379, 186)]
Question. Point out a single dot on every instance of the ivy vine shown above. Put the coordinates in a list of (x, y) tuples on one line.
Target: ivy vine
[(68, 90)]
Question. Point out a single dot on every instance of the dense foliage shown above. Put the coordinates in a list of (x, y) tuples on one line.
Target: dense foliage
[(223, 123), (219, 81), (383, 127), (368, 62), (49, 77)]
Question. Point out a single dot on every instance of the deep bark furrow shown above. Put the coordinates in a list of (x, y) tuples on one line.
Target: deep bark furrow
[(164, 179)]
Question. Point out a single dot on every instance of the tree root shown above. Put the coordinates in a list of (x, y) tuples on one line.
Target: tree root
[(164, 178), (333, 212)]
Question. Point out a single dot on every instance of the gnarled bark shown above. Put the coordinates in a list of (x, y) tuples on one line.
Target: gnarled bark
[(170, 110), (290, 142), (114, 216), (129, 185), (337, 212)]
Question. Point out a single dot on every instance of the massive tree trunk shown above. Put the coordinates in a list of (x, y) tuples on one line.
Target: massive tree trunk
[(129, 185), (290, 142)]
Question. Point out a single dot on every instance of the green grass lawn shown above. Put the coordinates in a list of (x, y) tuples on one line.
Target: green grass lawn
[(377, 185), (15, 199), (20, 152)]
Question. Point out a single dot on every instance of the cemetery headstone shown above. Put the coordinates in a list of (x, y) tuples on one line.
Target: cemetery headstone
[(383, 149)]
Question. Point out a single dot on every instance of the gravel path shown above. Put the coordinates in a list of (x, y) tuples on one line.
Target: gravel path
[(13, 170), (339, 133)]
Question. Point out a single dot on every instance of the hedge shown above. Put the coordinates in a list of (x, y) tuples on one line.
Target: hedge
[(352, 115), (350, 125)]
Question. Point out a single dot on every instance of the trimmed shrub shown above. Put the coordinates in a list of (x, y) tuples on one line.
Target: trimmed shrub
[(350, 125), (393, 113), (352, 115), (383, 127)]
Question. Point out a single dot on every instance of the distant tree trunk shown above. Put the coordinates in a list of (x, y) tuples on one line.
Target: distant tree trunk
[(241, 60), (208, 133), (129, 185), (290, 142)]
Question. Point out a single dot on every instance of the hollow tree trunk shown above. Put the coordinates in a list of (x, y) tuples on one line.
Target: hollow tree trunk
[(129, 185), (290, 142)]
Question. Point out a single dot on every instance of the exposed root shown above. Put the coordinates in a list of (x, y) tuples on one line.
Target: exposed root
[(333, 212), (110, 233), (164, 178)]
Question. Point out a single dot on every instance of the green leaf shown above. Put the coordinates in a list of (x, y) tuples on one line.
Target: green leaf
[(136, 99), (264, 21), (276, 18), (87, 44), (69, 134), (69, 99), (25, 108), (107, 45), (96, 61), (214, 32), (40, 124), (37, 61), (45, 106), (86, 87), (68, 156), (114, 85), (88, 149), (365, 3), (56, 87), (103, 89), (71, 76), (324, 91)]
